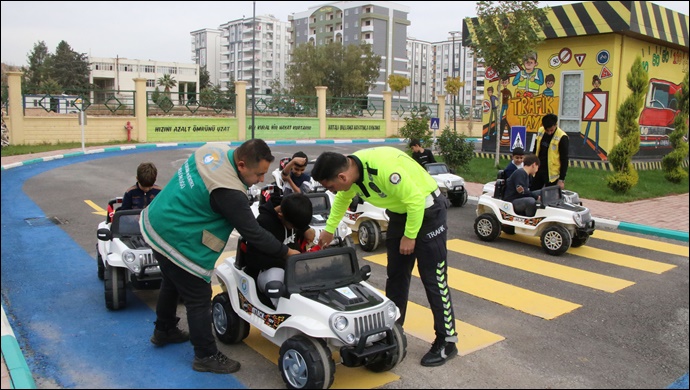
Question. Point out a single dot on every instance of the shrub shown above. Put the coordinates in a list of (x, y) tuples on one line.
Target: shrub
[(456, 151)]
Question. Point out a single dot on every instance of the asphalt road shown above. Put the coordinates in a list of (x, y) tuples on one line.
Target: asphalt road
[(613, 314)]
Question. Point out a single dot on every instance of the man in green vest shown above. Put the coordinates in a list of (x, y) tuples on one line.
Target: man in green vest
[(389, 178), (188, 225), (551, 147)]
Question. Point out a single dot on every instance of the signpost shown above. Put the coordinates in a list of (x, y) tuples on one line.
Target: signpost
[(82, 121), (435, 123)]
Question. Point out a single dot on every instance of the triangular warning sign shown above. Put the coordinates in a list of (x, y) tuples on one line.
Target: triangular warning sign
[(517, 143), (580, 58), (605, 73)]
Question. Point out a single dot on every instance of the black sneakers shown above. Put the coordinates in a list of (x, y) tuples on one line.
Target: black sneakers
[(218, 364), (440, 351), (172, 336)]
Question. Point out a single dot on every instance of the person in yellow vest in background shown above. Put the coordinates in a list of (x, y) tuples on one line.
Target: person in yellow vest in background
[(552, 149)]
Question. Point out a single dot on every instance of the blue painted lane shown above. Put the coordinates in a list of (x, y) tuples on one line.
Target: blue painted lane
[(58, 315)]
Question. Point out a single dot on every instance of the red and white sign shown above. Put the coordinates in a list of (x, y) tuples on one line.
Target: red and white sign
[(595, 106), (565, 55)]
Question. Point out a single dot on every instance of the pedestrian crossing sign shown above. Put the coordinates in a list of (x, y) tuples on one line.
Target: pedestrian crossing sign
[(435, 123), (518, 136)]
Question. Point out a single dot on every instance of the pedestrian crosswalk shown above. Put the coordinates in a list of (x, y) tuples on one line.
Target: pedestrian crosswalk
[(472, 337)]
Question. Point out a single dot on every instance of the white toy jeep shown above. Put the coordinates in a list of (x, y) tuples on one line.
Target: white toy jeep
[(322, 305), (369, 221), (123, 256), (558, 223), (450, 184)]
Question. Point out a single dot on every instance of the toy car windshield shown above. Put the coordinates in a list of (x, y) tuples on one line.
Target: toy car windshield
[(328, 268), (320, 207), (551, 196), (436, 169), (126, 223)]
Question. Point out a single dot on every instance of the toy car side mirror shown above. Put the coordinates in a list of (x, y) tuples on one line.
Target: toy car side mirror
[(104, 234), (365, 272)]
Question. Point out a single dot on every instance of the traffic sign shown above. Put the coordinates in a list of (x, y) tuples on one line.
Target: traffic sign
[(518, 136), (435, 123)]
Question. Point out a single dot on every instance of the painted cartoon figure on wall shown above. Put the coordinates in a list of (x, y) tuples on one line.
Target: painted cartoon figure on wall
[(530, 78)]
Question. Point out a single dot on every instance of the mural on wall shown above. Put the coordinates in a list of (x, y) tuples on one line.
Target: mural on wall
[(579, 73), (530, 92)]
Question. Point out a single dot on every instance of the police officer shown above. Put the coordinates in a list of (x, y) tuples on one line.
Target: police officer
[(389, 178)]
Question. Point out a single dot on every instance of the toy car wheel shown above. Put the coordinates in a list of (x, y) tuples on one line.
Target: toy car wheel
[(487, 227), (99, 264), (392, 358), (306, 363), (460, 202), (369, 234), (579, 241), (555, 240), (115, 285), (229, 327)]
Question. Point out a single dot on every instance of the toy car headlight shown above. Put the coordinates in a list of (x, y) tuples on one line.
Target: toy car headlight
[(391, 311), (577, 217), (448, 183), (129, 257), (340, 323), (343, 230)]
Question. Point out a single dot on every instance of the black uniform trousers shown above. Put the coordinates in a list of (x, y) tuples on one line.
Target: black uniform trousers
[(431, 254)]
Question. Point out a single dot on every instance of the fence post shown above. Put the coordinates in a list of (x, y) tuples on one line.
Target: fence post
[(140, 109), (321, 110), (15, 125), (241, 109), (441, 112)]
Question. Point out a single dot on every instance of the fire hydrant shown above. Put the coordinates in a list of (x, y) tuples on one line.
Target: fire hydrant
[(129, 128)]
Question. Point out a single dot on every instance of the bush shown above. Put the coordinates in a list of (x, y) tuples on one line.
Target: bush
[(456, 151), (417, 127)]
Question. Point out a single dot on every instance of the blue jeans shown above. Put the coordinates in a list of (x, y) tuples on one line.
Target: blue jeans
[(196, 294)]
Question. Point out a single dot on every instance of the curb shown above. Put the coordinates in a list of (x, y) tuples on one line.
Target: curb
[(18, 370)]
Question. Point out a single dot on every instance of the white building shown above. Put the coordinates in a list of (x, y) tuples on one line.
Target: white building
[(206, 51), (117, 73)]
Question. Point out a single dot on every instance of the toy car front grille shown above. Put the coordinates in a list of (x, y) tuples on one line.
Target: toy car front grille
[(147, 259), (369, 322)]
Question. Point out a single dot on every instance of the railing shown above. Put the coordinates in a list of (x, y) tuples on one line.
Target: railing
[(354, 107), (205, 103), (405, 109), (283, 105), (72, 101)]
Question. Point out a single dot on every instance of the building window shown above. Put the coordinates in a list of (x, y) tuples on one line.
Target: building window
[(150, 83)]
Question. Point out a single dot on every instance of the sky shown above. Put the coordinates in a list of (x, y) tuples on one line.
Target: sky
[(160, 31)]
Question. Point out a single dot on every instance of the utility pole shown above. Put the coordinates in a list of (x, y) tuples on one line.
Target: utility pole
[(253, 61), (455, 121)]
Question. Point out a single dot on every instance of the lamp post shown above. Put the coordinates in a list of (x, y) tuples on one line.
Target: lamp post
[(455, 121), (253, 60)]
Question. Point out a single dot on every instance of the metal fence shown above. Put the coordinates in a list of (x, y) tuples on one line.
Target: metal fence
[(71, 101), (283, 105), (205, 103)]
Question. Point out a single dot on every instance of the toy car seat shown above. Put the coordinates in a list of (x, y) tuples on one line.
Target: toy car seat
[(240, 257), (500, 186)]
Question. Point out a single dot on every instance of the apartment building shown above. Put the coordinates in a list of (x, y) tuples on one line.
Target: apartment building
[(235, 50), (118, 73), (382, 24), (229, 52)]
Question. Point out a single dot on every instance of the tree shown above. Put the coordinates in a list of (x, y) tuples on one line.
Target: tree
[(453, 85), (503, 33), (167, 82), (628, 129), (347, 70), (673, 170), (397, 83), (37, 72), (69, 68), (204, 78)]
